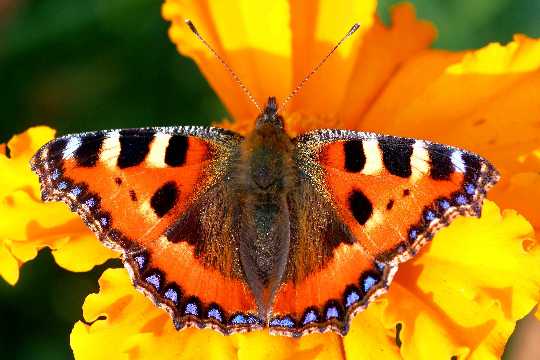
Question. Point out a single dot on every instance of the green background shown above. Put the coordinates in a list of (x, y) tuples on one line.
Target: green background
[(96, 64)]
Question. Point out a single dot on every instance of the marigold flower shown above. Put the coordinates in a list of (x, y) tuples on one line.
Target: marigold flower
[(461, 296)]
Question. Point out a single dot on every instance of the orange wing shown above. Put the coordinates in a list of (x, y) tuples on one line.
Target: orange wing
[(142, 191), (392, 195)]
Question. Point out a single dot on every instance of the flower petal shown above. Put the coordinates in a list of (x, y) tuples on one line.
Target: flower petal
[(121, 322), (522, 191), (368, 338), (257, 47), (464, 294), (347, 86), (9, 267), (27, 224), (316, 29), (70, 254)]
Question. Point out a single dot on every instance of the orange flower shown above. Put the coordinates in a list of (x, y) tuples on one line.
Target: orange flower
[(461, 296)]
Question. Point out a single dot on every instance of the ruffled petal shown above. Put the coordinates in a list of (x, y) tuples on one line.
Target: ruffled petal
[(257, 47), (369, 338), (9, 267), (123, 323), (27, 224), (463, 296), (522, 191)]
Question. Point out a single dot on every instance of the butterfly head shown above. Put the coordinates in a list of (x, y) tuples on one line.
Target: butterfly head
[(269, 116)]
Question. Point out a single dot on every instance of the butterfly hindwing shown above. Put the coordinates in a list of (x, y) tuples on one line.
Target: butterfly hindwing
[(156, 195), (384, 197)]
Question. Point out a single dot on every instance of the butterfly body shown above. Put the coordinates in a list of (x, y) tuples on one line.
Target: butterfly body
[(241, 233), (267, 178)]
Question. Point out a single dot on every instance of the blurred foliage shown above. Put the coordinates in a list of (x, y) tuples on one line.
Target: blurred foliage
[(97, 64), (465, 24), (84, 65)]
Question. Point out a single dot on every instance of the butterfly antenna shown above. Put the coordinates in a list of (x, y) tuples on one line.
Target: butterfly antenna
[(295, 91), (235, 77)]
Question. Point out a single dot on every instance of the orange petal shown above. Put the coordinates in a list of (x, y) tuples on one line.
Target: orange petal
[(27, 224), (316, 28), (257, 47), (521, 191)]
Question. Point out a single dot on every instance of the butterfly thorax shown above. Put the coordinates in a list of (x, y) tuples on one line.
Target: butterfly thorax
[(267, 154), (267, 175)]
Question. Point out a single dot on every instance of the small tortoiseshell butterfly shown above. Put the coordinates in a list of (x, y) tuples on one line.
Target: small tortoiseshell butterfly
[(266, 231)]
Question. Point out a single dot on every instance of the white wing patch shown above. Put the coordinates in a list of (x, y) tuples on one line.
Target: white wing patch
[(374, 161), (158, 147), (72, 145), (110, 149), (457, 161), (419, 161)]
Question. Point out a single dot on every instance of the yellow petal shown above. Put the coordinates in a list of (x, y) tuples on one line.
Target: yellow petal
[(316, 28), (463, 295), (9, 267), (27, 224), (81, 252), (369, 338)]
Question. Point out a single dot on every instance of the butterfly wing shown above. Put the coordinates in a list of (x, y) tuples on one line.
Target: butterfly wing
[(380, 198), (157, 195)]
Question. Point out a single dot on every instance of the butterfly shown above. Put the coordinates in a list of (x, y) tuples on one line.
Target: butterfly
[(241, 233), (237, 233)]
